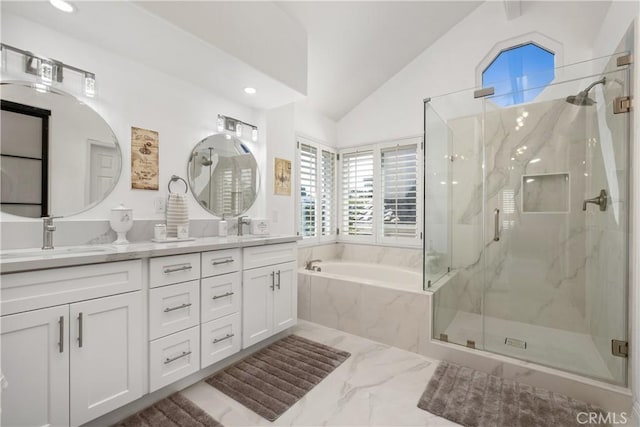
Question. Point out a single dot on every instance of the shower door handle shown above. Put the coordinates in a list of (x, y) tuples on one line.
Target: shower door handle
[(496, 225)]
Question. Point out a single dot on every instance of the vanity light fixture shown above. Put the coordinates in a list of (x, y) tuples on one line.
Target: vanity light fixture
[(237, 127), (49, 70), (250, 90), (62, 6)]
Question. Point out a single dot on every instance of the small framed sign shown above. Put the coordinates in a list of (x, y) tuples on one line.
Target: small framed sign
[(282, 177)]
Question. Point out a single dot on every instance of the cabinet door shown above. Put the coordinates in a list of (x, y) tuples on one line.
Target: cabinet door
[(257, 305), (106, 355), (35, 363), (285, 297)]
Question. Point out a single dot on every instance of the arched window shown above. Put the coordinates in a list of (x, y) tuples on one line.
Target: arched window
[(518, 74)]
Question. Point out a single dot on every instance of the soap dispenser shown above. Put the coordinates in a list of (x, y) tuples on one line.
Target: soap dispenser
[(223, 228)]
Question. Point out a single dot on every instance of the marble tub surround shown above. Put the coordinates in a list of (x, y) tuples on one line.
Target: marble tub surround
[(69, 232), (409, 258), (390, 316), (377, 385)]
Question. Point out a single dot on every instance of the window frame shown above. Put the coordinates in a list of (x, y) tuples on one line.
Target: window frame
[(378, 237), (318, 238)]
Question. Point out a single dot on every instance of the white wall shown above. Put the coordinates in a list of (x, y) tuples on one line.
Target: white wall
[(395, 109), (131, 94)]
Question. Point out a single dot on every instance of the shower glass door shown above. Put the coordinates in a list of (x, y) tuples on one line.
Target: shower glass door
[(556, 185)]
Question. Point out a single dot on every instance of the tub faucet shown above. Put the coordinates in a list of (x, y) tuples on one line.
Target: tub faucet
[(309, 264), (47, 231), (242, 220)]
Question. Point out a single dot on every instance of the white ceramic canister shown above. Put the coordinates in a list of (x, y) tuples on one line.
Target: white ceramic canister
[(121, 221), (160, 232)]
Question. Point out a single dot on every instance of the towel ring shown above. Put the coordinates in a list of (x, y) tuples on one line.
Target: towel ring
[(177, 178)]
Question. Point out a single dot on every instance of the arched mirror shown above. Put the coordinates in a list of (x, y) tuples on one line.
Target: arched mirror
[(223, 175), (57, 155)]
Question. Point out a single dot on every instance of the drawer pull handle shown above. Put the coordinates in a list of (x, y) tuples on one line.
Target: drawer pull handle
[(181, 268), (61, 342), (226, 261), (80, 330), (185, 305), (226, 337), (173, 359), (228, 294)]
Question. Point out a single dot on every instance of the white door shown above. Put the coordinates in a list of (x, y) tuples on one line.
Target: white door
[(257, 305), (106, 355), (285, 297), (104, 165), (35, 363)]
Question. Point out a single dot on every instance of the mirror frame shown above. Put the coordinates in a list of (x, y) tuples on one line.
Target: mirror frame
[(60, 92)]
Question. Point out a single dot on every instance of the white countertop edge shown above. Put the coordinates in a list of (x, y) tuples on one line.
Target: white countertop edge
[(133, 251)]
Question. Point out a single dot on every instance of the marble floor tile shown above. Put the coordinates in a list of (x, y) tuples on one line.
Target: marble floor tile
[(378, 385)]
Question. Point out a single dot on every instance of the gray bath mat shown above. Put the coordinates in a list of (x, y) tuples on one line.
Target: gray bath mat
[(174, 411), (473, 398), (270, 381)]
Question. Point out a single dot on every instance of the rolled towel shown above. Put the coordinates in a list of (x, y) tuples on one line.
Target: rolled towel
[(177, 213)]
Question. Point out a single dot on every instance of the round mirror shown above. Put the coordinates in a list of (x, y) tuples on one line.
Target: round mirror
[(58, 156), (223, 175)]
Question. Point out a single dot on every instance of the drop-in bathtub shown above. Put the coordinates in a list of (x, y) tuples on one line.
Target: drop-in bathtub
[(376, 301)]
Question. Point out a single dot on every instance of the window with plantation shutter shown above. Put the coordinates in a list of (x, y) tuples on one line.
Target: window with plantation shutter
[(357, 193), (328, 193), (399, 167), (317, 191), (308, 189)]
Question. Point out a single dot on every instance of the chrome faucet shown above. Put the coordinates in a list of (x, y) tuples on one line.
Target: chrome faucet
[(47, 231), (309, 265), (242, 220)]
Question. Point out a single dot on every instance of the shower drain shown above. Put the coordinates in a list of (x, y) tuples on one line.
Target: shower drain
[(514, 342)]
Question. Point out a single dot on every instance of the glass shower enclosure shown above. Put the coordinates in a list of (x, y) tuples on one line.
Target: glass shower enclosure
[(526, 220)]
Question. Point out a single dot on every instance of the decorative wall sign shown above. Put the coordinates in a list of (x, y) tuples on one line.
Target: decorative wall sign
[(282, 177), (144, 159)]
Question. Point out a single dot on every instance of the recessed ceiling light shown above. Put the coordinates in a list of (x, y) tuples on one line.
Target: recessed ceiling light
[(250, 90), (62, 5)]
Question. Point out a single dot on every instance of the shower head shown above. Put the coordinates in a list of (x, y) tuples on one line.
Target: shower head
[(205, 162), (582, 98)]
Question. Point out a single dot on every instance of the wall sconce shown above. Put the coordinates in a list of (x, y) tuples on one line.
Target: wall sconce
[(236, 126), (50, 70)]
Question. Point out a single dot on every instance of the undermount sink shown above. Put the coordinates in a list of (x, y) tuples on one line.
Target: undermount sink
[(70, 250)]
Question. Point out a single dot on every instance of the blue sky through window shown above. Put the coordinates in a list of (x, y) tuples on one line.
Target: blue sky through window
[(519, 74)]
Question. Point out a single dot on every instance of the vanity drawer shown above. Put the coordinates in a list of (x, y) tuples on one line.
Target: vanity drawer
[(45, 288), (220, 338), (221, 296), (260, 256), (174, 357), (173, 269), (220, 262), (173, 308)]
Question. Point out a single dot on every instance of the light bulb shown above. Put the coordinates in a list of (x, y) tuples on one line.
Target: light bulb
[(220, 123), (45, 71), (238, 130), (250, 90), (90, 85), (254, 134), (62, 5)]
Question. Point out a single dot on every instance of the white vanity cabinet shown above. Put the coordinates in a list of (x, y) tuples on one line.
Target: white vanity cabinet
[(70, 363), (269, 283)]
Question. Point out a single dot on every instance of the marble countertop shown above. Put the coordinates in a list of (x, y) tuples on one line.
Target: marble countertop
[(13, 261)]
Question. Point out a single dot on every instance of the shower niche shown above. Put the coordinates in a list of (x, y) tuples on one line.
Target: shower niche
[(505, 190), (545, 193)]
